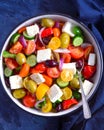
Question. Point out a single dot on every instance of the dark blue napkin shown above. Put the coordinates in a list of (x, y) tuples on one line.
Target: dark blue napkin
[(14, 12)]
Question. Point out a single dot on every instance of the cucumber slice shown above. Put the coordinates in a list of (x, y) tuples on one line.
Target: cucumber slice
[(31, 60), (8, 72), (78, 40), (27, 36), (62, 83), (15, 37)]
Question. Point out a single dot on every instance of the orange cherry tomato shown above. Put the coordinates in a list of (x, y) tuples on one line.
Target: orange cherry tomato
[(29, 101), (21, 30), (24, 70), (87, 51), (66, 57), (56, 32), (48, 80)]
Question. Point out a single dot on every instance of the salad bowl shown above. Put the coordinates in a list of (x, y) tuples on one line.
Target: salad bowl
[(41, 31)]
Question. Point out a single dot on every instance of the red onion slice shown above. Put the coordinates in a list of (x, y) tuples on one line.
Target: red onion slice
[(23, 41), (60, 50), (57, 24), (84, 45), (40, 38), (61, 64), (37, 103)]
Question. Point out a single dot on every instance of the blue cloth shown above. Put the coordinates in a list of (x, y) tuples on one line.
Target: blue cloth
[(14, 12)]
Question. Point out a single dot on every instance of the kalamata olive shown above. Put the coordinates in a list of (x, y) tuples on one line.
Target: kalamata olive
[(7, 82), (79, 64), (51, 63), (46, 39), (59, 107)]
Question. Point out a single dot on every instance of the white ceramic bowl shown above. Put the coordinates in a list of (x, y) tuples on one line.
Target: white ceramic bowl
[(96, 79)]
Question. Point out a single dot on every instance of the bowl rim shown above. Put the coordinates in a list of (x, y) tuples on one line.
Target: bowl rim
[(78, 106)]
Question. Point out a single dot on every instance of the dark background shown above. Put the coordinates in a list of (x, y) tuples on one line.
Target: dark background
[(13, 13)]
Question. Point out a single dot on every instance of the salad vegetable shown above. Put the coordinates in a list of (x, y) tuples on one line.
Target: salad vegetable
[(41, 61)]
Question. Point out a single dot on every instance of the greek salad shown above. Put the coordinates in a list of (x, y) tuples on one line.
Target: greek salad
[(41, 62)]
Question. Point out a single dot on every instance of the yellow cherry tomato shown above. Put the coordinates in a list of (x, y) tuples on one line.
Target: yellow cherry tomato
[(47, 107), (67, 75), (41, 91), (54, 43), (67, 93)]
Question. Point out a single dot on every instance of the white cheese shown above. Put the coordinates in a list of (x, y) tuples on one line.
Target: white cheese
[(15, 82), (92, 59), (54, 93), (32, 30), (43, 55), (71, 66), (38, 78), (67, 27), (87, 86)]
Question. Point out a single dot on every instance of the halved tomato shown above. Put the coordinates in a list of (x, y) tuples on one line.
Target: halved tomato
[(31, 46), (53, 72), (66, 57), (11, 63), (16, 48), (76, 52), (87, 51)]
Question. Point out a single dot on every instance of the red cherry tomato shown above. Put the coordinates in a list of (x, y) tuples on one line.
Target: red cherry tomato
[(39, 68), (46, 32), (11, 63), (31, 46), (66, 57), (76, 52), (29, 101), (88, 71), (53, 72), (16, 48)]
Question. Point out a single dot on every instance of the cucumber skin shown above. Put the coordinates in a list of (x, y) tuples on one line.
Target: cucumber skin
[(61, 83)]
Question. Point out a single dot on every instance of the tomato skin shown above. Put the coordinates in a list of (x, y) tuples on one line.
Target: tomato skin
[(56, 32), (11, 63), (53, 72), (46, 32), (76, 52), (16, 48), (66, 57), (29, 101), (24, 70), (39, 68), (31, 46), (87, 51), (88, 71)]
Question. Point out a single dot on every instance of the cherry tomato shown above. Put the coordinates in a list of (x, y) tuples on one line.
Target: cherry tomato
[(53, 72), (66, 57), (11, 63), (76, 52), (16, 48), (31, 46), (87, 51), (46, 32), (56, 32), (39, 68), (29, 101), (88, 71)]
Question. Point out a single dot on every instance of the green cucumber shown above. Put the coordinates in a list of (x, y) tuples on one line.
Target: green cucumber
[(27, 36), (31, 60), (7, 54), (61, 83), (77, 40), (8, 72), (15, 37)]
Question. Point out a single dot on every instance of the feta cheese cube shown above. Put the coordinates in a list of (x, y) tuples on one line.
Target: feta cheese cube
[(87, 86), (43, 55), (32, 30), (54, 93), (71, 66), (38, 78), (67, 27), (92, 59), (15, 82)]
